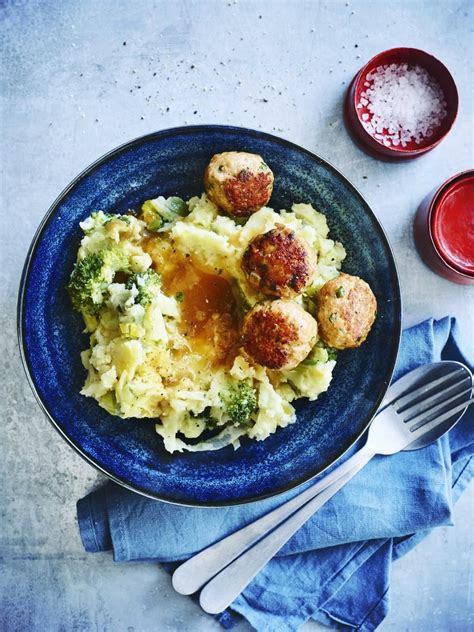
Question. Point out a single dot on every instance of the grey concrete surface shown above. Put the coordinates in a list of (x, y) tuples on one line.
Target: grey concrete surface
[(82, 77)]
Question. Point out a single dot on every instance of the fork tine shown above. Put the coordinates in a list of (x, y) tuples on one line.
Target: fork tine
[(428, 402), (418, 423), (407, 399)]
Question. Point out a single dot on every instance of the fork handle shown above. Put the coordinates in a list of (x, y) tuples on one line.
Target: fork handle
[(227, 585), (198, 570)]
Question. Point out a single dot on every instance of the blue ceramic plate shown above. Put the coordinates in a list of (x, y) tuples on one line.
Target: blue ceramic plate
[(172, 162)]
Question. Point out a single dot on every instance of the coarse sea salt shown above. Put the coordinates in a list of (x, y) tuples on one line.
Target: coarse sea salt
[(401, 104)]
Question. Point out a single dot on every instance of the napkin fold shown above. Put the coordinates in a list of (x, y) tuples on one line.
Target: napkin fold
[(336, 568)]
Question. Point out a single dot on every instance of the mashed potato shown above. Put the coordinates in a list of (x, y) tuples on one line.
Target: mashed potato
[(166, 346)]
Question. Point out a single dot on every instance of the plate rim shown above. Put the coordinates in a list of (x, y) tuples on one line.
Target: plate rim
[(50, 213)]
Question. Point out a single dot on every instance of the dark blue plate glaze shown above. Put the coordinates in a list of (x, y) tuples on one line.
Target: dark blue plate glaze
[(172, 162)]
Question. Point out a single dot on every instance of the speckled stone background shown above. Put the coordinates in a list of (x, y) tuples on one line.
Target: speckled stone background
[(80, 77)]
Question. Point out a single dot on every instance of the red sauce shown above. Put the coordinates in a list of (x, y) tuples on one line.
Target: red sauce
[(453, 224)]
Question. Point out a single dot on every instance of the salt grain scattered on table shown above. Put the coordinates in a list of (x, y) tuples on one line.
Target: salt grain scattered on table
[(404, 103)]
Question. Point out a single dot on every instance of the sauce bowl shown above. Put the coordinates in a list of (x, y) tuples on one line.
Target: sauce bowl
[(444, 229)]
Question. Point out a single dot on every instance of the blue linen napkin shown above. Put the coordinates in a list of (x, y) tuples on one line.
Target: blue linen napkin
[(339, 561)]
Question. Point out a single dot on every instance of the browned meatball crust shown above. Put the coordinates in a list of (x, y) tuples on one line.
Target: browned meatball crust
[(238, 182), (279, 263), (346, 310), (278, 334)]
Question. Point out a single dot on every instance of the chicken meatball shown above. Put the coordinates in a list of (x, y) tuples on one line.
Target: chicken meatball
[(278, 334), (238, 183), (346, 311), (279, 263)]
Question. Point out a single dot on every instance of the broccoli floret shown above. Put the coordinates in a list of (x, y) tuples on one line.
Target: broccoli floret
[(147, 284), (239, 401), (163, 210), (91, 277)]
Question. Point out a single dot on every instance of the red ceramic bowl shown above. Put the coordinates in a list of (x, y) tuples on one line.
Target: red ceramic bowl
[(444, 229), (353, 115)]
